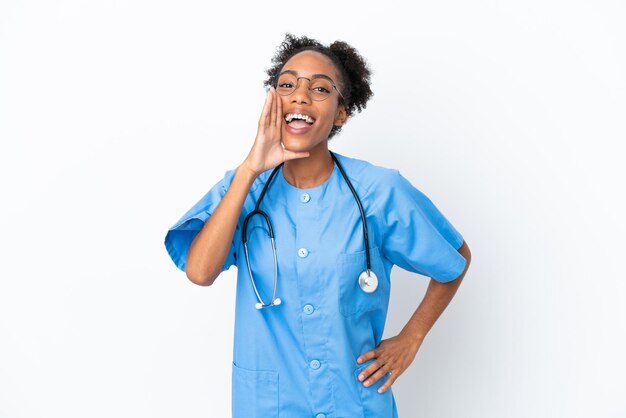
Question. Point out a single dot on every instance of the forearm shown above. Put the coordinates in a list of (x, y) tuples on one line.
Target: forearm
[(437, 297)]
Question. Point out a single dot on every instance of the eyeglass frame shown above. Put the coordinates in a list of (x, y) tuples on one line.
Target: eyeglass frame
[(343, 100)]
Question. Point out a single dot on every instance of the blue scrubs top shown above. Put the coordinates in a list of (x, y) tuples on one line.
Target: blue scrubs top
[(298, 359)]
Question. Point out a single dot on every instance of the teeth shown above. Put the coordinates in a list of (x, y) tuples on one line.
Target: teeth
[(290, 116)]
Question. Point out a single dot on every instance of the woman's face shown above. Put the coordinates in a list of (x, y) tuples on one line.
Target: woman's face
[(326, 113)]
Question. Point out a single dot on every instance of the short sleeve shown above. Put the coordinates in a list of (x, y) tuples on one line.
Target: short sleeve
[(416, 236), (180, 236)]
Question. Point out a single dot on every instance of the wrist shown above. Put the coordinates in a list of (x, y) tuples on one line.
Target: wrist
[(414, 336), (245, 170)]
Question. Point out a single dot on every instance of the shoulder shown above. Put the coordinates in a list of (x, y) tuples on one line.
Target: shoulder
[(384, 189), (229, 175), (371, 178)]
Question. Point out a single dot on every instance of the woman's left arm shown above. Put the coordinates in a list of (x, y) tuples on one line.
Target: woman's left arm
[(395, 354)]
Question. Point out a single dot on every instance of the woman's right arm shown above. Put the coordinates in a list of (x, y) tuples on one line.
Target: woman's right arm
[(209, 249)]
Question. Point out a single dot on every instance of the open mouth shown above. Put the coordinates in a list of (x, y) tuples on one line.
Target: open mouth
[(298, 121)]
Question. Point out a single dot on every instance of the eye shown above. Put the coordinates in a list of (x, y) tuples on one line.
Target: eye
[(321, 89), (285, 85)]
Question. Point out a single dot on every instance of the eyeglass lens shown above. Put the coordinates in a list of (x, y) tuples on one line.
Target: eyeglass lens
[(320, 88)]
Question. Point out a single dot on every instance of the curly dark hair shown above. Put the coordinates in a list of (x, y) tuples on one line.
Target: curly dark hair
[(353, 70)]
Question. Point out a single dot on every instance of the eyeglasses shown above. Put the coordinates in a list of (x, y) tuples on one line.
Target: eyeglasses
[(320, 86)]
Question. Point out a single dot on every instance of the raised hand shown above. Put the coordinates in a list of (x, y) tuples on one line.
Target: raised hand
[(268, 150)]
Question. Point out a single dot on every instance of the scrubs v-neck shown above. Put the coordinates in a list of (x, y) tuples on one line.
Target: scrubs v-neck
[(298, 359)]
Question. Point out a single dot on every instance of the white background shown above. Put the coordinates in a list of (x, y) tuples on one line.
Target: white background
[(116, 117)]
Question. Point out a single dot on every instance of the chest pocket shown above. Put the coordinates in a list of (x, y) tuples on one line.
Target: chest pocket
[(352, 299)]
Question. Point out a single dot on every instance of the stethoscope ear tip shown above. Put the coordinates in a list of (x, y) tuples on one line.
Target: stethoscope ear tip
[(259, 305)]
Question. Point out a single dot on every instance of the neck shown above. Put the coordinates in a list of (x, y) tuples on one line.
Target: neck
[(310, 171)]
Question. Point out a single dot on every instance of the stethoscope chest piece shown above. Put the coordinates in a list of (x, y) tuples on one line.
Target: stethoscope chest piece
[(368, 281)]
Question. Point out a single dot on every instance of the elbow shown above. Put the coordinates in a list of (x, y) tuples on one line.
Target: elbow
[(199, 279), (464, 250), (198, 275)]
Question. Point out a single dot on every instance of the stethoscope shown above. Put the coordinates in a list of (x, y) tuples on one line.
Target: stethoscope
[(367, 279)]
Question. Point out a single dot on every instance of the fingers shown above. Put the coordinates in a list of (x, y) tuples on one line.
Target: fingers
[(265, 114), (374, 371), (377, 375), (364, 357), (379, 372), (392, 378), (272, 119), (279, 112), (365, 373)]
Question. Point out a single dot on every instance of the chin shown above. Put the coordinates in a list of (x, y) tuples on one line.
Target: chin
[(293, 143), (300, 142)]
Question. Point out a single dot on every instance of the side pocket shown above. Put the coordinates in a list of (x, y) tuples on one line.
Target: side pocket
[(352, 299), (375, 405), (254, 393)]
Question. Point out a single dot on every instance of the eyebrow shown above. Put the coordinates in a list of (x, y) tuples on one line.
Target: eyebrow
[(313, 76)]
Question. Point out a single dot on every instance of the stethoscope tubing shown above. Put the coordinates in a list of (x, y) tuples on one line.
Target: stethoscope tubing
[(257, 211), (244, 237), (358, 202)]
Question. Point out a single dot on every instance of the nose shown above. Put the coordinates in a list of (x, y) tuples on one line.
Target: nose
[(301, 93)]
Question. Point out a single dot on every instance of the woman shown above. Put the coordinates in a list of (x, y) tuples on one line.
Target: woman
[(310, 316)]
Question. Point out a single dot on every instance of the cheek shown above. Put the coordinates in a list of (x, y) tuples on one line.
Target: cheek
[(327, 118), (327, 122)]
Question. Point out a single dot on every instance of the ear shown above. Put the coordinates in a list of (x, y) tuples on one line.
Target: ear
[(340, 116)]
